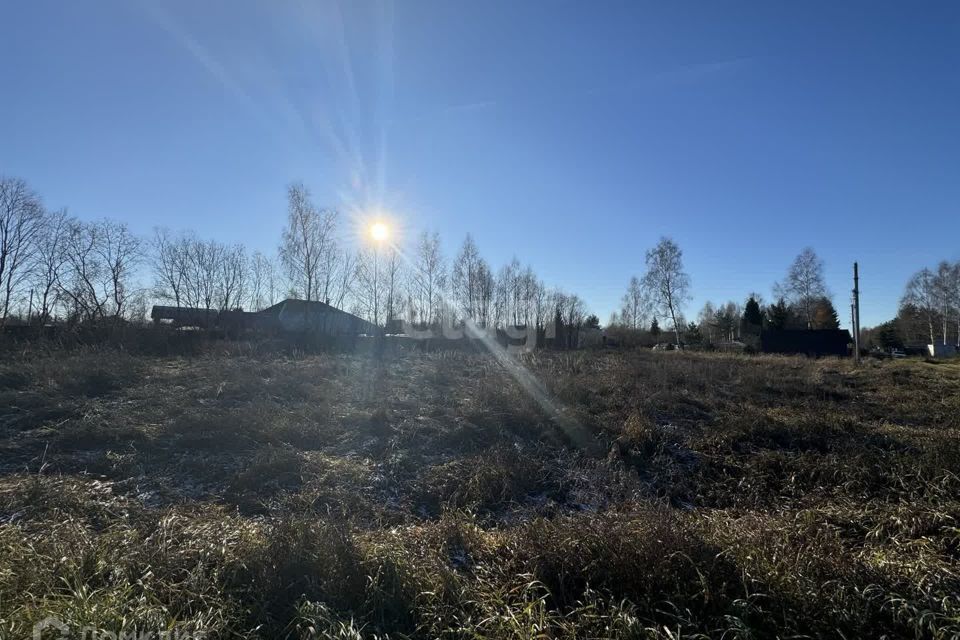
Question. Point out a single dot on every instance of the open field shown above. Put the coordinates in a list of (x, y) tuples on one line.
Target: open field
[(659, 495)]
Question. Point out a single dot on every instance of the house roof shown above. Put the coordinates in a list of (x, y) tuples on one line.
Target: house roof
[(294, 304)]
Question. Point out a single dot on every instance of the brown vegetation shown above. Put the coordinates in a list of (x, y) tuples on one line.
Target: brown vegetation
[(428, 495)]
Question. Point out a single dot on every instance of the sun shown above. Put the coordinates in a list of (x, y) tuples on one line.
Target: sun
[(379, 231)]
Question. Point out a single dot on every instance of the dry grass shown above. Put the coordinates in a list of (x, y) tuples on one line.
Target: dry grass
[(428, 495)]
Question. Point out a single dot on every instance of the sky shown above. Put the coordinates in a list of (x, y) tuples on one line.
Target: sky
[(572, 135)]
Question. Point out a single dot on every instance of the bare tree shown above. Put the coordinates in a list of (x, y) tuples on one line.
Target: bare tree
[(954, 294), (528, 290), (465, 278), (137, 307), (666, 281), (171, 263), (393, 274), (484, 291), (923, 298), (307, 242), (368, 289), (501, 296), (81, 281), (378, 283), (513, 285), (569, 310), (945, 287), (707, 319), (233, 277), (339, 268), (428, 279), (633, 305), (804, 285), (575, 312), (343, 280), (519, 298), (50, 259), (538, 303), (196, 273), (118, 252), (205, 259), (21, 220), (261, 281)]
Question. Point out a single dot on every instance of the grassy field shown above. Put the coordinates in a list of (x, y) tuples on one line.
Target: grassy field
[(607, 495)]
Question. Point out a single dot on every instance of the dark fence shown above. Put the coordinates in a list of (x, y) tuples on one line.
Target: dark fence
[(810, 342)]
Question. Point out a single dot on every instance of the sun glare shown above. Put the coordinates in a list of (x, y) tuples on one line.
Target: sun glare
[(379, 231)]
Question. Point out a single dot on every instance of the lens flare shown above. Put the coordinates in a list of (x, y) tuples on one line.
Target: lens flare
[(379, 231)]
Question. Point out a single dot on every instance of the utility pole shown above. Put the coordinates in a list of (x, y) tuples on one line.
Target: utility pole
[(853, 321), (856, 311)]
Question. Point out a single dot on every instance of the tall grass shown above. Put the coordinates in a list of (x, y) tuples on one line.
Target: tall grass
[(426, 495)]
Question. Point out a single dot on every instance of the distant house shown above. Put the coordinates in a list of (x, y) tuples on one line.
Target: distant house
[(302, 315), (810, 342), (290, 315)]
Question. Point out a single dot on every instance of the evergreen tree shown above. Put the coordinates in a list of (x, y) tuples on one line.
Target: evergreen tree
[(778, 315), (693, 335), (654, 328), (888, 335), (825, 315), (752, 313)]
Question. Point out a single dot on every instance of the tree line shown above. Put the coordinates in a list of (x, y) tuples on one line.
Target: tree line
[(55, 266), (802, 301), (385, 283), (52, 263)]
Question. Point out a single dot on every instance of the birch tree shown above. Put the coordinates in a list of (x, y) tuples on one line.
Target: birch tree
[(945, 290), (954, 294), (666, 282), (633, 305), (307, 242), (465, 277), (428, 279), (262, 288), (484, 289), (804, 285), (922, 297)]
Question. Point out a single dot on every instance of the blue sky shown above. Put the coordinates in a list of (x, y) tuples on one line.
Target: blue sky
[(572, 135)]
